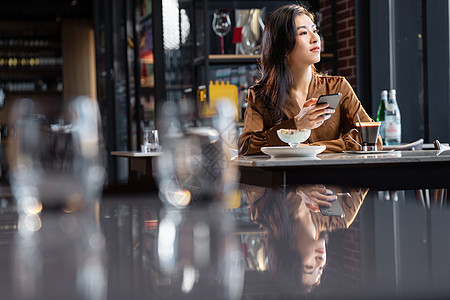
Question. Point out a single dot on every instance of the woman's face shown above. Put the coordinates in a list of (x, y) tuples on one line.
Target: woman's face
[(314, 259), (307, 46)]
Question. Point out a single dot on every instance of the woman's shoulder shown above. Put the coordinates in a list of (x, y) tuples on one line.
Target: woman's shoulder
[(330, 82), (251, 95), (254, 95), (324, 78)]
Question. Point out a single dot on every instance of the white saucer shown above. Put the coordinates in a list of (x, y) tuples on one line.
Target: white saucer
[(301, 151), (368, 152)]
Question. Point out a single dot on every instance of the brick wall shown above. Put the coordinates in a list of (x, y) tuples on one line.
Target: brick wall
[(344, 256), (345, 17)]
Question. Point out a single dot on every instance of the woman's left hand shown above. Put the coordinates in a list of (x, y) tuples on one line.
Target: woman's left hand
[(316, 195), (311, 115)]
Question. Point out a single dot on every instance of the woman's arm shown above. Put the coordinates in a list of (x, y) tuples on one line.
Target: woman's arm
[(349, 110), (255, 135)]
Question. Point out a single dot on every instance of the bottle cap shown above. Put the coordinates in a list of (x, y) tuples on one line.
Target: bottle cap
[(384, 93)]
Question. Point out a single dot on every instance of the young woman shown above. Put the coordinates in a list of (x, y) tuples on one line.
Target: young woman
[(286, 94)]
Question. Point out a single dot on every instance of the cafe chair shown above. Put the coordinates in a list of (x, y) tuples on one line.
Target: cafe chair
[(439, 195), (416, 145)]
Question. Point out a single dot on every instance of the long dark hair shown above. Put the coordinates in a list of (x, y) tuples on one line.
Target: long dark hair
[(284, 262), (278, 41)]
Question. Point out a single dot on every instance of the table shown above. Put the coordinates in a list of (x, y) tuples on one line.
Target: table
[(139, 163), (396, 170), (384, 254)]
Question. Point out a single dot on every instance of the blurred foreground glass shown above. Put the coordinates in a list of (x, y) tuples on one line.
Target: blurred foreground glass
[(196, 163), (57, 175), (199, 255)]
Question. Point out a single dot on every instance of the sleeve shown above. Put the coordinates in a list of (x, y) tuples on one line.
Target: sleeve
[(349, 109), (351, 203), (255, 135)]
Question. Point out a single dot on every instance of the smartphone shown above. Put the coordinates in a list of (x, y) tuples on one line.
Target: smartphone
[(331, 99), (336, 209)]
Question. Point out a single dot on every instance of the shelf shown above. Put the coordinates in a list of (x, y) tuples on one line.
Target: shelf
[(17, 93), (240, 59), (52, 48), (228, 59), (178, 87), (31, 69)]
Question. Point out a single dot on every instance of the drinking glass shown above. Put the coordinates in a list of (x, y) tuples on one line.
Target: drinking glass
[(153, 140), (221, 25), (199, 254), (368, 132), (57, 175), (196, 167), (150, 140)]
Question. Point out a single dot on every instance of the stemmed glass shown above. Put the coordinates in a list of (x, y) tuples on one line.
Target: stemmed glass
[(221, 25)]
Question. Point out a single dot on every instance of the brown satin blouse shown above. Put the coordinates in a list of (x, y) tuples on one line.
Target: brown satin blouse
[(261, 131), (258, 198)]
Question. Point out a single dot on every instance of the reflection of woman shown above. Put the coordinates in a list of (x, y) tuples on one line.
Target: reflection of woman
[(287, 91), (296, 233)]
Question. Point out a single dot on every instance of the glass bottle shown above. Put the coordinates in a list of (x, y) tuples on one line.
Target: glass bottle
[(393, 120), (381, 114)]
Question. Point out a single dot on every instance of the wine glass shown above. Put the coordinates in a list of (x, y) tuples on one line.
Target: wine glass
[(196, 168), (221, 25)]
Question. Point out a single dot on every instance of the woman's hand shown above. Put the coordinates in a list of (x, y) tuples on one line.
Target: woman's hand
[(316, 195), (311, 115)]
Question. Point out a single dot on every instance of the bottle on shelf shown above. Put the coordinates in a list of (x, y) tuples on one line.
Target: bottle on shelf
[(393, 120), (381, 114)]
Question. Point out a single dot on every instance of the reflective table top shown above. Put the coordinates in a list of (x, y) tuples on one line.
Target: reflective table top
[(260, 243)]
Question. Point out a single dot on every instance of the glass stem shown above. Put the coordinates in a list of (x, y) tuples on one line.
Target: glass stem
[(222, 48)]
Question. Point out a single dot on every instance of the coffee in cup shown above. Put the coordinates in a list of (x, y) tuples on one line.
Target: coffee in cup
[(368, 133)]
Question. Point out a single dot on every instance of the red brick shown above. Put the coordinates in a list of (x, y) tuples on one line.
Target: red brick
[(343, 63), (350, 272), (351, 4), (325, 3), (326, 11), (345, 72), (351, 22), (351, 42), (351, 262), (342, 25), (356, 255), (344, 53), (345, 34), (325, 28), (342, 44), (342, 5), (344, 14), (352, 62)]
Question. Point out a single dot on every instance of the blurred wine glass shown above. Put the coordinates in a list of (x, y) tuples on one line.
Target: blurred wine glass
[(221, 25), (196, 166), (199, 254), (57, 174)]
